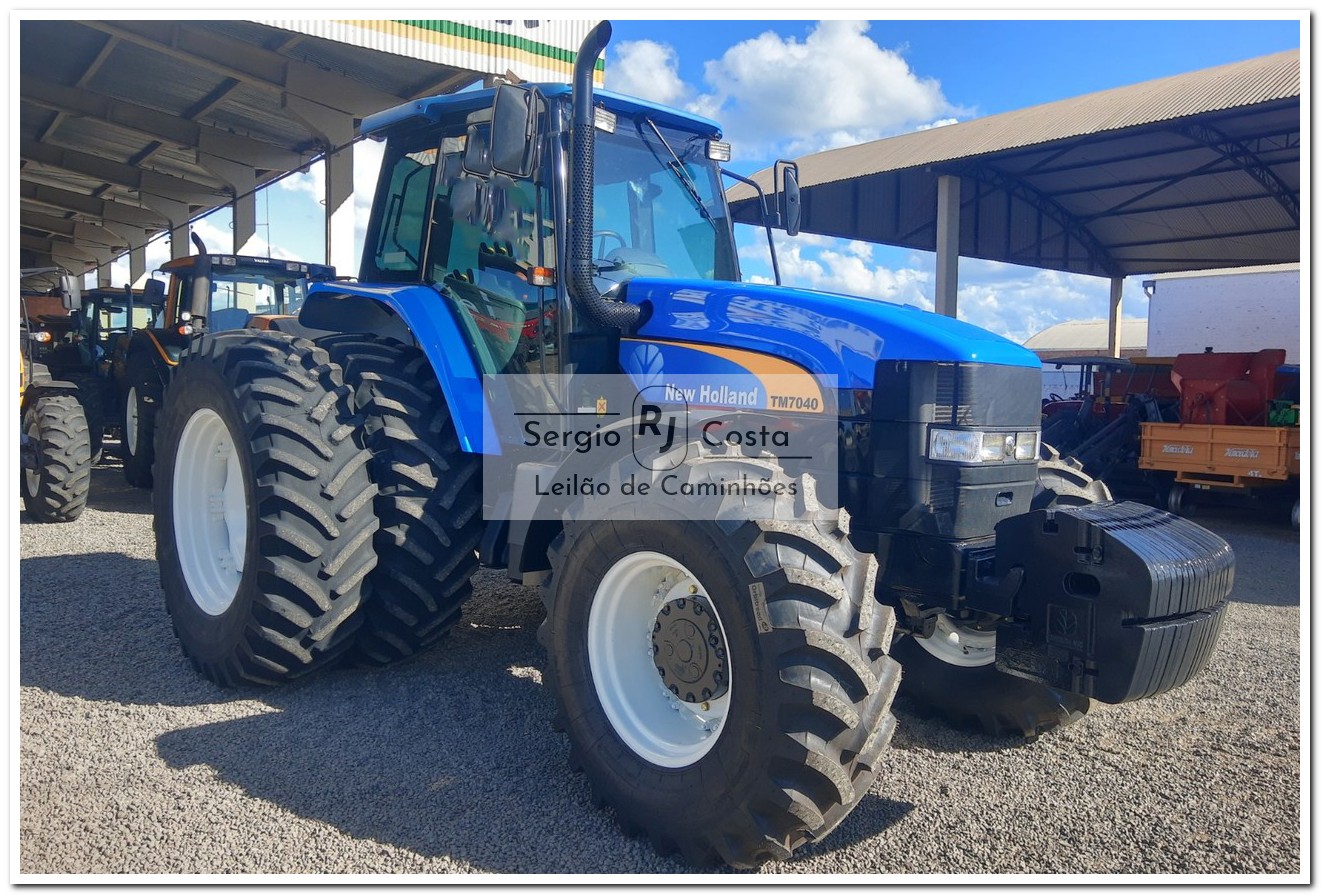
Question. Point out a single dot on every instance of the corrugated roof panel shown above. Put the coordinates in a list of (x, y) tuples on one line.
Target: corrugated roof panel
[(257, 113), (148, 78), (1084, 184), (58, 51), (97, 138), (1245, 83)]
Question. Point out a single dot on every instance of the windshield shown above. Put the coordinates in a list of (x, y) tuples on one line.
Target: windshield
[(236, 293), (658, 206)]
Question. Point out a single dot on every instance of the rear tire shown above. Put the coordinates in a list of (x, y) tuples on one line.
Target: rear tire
[(787, 749), (141, 404), (263, 508), (92, 398), (429, 502), (952, 675), (56, 490)]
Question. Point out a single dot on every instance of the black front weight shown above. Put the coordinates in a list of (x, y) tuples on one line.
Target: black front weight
[(1117, 602)]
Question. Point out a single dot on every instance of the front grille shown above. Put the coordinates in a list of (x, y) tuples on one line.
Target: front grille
[(889, 486)]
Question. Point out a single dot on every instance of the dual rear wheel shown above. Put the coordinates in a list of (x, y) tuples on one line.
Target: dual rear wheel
[(311, 503)]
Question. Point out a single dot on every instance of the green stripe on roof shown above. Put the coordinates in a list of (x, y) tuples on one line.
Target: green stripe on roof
[(499, 38)]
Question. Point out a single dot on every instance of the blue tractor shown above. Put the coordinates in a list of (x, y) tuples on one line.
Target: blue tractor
[(725, 677)]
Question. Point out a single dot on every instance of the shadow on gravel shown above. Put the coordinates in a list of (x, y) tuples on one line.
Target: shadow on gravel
[(94, 626), (873, 816), (111, 493), (925, 732), (451, 755)]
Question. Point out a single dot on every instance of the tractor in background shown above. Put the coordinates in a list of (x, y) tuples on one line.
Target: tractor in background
[(203, 292), (55, 452)]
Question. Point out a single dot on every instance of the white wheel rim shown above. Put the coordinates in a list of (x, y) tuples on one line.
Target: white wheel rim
[(210, 512), (957, 644), (131, 420), (658, 726)]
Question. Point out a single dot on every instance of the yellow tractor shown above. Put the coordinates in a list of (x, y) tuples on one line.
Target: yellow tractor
[(54, 439)]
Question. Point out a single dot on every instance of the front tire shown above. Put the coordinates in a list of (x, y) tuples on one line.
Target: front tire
[(263, 509), (760, 719), (952, 674), (56, 489), (141, 404)]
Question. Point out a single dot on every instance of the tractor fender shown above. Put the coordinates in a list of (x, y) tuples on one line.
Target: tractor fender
[(413, 314), (162, 355), (41, 387)]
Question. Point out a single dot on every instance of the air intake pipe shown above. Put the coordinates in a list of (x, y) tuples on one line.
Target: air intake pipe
[(613, 314)]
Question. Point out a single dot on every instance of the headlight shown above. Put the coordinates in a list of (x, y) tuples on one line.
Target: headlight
[(972, 446)]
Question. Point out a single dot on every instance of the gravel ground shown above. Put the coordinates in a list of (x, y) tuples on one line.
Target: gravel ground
[(130, 763)]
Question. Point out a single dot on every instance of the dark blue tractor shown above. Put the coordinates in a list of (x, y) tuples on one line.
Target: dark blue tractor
[(724, 674)]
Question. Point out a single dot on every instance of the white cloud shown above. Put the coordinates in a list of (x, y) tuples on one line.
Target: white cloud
[(843, 266), (1019, 302), (367, 155), (1012, 301), (837, 87), (648, 70)]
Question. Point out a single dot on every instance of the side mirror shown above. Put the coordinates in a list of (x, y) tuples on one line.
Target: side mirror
[(153, 294), (514, 132), (71, 292), (790, 202)]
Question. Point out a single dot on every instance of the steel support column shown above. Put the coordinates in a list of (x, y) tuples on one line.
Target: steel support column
[(335, 129), (947, 245), (1116, 314)]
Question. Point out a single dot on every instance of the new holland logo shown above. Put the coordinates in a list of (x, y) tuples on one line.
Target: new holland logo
[(1177, 449), (1243, 453)]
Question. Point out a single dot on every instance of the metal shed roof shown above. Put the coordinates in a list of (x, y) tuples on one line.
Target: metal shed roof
[(131, 127), (1199, 170)]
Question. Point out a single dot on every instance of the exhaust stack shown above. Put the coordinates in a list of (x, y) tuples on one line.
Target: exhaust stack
[(616, 315)]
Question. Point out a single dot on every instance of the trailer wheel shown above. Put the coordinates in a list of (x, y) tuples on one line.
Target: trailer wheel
[(58, 478), (141, 404), (724, 684), (429, 502), (952, 673), (263, 508), (1180, 501)]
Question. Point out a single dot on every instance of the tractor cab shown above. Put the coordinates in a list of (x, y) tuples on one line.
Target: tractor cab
[(471, 206), (235, 291)]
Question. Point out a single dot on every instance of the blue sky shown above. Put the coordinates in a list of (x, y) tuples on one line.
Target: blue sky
[(792, 87)]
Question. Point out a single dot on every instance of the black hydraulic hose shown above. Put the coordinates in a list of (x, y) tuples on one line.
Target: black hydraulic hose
[(616, 315)]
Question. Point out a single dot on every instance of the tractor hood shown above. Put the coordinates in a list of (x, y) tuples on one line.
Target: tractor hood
[(828, 334)]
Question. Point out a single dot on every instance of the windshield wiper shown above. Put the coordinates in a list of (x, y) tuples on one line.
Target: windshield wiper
[(675, 166)]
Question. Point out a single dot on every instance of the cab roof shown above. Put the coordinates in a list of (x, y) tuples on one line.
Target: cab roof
[(282, 265), (436, 107)]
